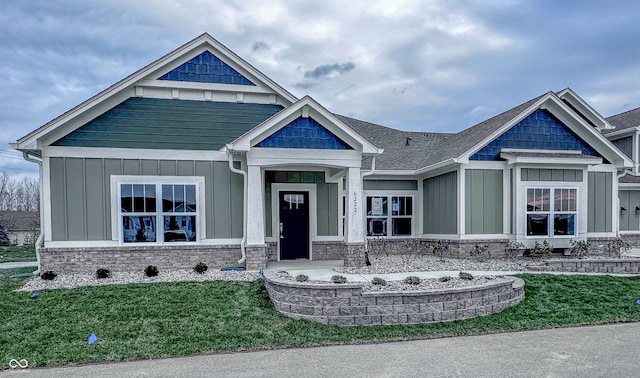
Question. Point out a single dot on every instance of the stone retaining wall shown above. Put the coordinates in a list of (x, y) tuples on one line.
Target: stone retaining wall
[(136, 258), (346, 304), (630, 266)]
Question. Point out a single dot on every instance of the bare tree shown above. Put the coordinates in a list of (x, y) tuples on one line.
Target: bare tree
[(19, 195)]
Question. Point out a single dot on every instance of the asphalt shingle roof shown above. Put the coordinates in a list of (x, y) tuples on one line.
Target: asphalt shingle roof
[(397, 154), (624, 120), (427, 148)]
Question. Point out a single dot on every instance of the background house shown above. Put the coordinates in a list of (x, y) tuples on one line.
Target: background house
[(22, 226)]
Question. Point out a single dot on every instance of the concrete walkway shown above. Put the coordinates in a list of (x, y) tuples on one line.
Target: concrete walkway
[(322, 271), (596, 351), (21, 264)]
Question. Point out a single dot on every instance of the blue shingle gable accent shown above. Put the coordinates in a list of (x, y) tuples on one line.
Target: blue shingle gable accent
[(304, 133), (206, 68), (539, 131)]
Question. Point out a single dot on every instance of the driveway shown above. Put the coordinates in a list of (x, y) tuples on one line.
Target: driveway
[(596, 351)]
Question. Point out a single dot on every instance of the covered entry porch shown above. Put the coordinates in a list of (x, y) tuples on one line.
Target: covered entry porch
[(304, 193)]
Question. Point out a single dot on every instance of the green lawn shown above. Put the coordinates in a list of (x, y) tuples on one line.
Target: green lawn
[(167, 319), (17, 253)]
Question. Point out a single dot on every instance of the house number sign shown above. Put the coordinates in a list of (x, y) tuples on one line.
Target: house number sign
[(355, 202)]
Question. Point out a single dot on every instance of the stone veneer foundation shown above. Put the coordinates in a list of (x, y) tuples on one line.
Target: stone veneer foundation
[(136, 258), (346, 304)]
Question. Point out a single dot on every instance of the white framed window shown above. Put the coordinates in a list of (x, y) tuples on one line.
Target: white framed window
[(551, 212), (389, 215), (159, 212)]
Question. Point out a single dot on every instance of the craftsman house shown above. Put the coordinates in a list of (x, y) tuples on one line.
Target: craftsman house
[(201, 157)]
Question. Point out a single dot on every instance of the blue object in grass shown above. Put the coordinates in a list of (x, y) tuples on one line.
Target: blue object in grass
[(229, 268), (34, 295), (638, 301), (93, 338)]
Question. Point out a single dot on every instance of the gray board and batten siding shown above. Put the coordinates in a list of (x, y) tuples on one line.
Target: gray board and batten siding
[(483, 201), (81, 198), (440, 204), (599, 202), (630, 199), (169, 124), (625, 145)]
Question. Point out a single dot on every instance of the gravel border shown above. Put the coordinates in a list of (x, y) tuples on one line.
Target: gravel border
[(69, 281), (429, 263)]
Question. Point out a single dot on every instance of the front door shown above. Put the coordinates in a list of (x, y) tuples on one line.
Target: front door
[(294, 225)]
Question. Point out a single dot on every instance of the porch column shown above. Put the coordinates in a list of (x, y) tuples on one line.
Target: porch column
[(255, 206), (355, 219)]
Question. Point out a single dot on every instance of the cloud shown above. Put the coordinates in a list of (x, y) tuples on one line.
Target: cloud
[(421, 65), (259, 45), (329, 70)]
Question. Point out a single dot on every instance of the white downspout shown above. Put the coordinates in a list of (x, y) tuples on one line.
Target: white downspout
[(40, 239), (364, 213), (243, 242)]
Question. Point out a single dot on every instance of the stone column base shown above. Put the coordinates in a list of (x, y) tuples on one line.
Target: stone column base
[(256, 257), (354, 255)]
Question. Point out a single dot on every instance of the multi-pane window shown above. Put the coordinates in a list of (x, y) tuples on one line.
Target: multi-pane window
[(145, 207), (393, 220), (551, 212)]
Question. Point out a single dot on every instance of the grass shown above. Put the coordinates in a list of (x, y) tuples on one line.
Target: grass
[(170, 319), (17, 253)]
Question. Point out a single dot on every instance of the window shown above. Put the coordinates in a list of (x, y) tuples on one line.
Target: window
[(145, 207), (399, 218), (551, 212)]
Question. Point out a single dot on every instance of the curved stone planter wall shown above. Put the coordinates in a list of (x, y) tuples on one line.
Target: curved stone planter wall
[(346, 304), (628, 266)]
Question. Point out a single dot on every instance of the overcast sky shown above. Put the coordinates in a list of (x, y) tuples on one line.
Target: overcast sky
[(412, 65)]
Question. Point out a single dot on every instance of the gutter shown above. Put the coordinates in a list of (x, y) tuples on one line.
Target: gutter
[(245, 183), (441, 164), (39, 242)]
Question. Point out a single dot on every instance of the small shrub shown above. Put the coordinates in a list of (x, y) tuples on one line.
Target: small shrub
[(200, 268), (579, 248), (617, 246), (151, 271), (513, 249), (48, 275), (480, 252), (103, 273), (338, 279), (379, 281), (411, 251), (302, 278), (412, 280), (445, 279), (441, 249), (465, 276), (542, 250)]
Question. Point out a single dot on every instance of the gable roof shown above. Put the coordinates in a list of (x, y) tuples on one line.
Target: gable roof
[(464, 141), (427, 151), (125, 88), (305, 107)]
